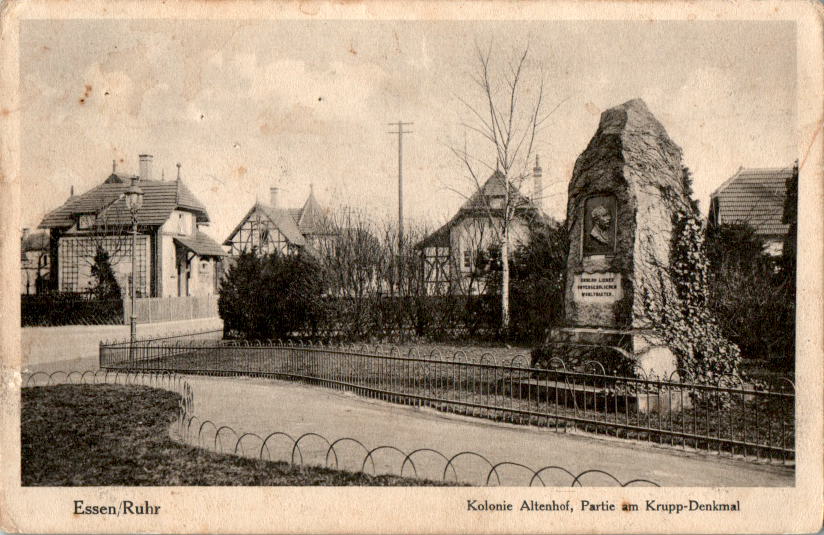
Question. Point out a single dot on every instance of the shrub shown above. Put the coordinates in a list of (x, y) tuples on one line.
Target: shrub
[(536, 284), (748, 294), (105, 284), (271, 297)]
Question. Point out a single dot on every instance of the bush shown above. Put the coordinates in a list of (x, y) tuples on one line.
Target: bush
[(271, 297), (65, 308), (105, 283), (536, 284), (749, 294)]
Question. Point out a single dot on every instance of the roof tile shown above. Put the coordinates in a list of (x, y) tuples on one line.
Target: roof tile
[(755, 197), (159, 200)]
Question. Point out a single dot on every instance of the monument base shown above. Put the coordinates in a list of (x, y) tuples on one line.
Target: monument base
[(624, 352)]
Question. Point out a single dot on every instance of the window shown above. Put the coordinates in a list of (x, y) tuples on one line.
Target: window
[(496, 203), (467, 259), (85, 221), (181, 224)]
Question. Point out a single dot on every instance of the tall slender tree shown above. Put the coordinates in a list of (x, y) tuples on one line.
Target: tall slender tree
[(506, 112)]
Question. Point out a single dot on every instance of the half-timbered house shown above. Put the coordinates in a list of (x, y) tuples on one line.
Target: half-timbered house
[(449, 253), (268, 228)]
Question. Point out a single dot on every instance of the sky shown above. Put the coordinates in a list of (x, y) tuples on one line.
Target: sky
[(246, 105)]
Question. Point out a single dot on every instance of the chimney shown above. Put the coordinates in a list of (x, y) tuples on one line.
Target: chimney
[(274, 200), (25, 233), (537, 173), (145, 167)]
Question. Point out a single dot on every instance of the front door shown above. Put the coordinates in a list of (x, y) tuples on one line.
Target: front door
[(184, 271)]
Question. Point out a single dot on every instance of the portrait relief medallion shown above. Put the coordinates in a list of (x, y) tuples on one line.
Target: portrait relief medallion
[(600, 223)]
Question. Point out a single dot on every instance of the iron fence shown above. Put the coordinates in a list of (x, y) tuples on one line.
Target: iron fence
[(727, 418)]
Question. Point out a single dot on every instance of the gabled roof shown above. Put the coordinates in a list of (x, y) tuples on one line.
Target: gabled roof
[(159, 200), (479, 204), (201, 244), (285, 223), (755, 197), (280, 218), (492, 188)]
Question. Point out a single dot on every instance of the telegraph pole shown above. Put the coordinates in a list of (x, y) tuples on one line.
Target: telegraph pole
[(400, 132)]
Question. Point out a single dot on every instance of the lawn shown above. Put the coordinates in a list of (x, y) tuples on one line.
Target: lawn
[(101, 435)]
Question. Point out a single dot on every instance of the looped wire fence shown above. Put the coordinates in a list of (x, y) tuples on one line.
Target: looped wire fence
[(315, 449)]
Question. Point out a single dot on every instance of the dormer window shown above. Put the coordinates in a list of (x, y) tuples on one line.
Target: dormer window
[(85, 221)]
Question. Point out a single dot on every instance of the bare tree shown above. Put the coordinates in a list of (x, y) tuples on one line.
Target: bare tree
[(507, 120), (351, 262), (110, 232)]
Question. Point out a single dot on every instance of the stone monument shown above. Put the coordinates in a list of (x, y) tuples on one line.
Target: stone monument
[(625, 189)]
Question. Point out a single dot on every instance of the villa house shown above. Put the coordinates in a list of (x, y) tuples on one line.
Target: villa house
[(269, 228), (755, 197), (173, 254), (449, 253)]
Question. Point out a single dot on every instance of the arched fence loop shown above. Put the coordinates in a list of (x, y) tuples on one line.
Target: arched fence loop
[(217, 436), (577, 480), (408, 459), (415, 463), (276, 434), (510, 463), (595, 366), (380, 448), (450, 463), (545, 468), (296, 447), (240, 440), (331, 449)]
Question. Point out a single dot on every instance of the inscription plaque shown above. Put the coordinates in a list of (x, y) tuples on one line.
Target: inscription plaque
[(597, 287)]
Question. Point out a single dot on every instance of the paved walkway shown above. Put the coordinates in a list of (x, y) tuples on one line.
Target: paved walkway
[(262, 406), (69, 342)]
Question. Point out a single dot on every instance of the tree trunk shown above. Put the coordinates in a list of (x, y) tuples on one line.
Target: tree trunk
[(505, 284)]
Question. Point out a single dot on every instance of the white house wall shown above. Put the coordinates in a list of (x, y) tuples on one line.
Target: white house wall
[(475, 234)]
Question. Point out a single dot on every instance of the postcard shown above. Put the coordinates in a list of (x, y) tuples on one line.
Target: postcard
[(419, 267)]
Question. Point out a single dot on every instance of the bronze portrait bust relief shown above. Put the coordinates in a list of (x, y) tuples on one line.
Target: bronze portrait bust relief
[(600, 223)]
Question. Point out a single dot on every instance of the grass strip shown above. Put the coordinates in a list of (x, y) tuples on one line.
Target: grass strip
[(105, 435)]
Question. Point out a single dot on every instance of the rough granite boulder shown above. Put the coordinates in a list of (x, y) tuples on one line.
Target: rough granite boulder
[(632, 167)]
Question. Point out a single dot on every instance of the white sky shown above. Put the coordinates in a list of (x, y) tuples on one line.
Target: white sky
[(245, 105)]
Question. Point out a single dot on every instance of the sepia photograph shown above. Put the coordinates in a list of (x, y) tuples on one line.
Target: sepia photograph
[(564, 264)]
